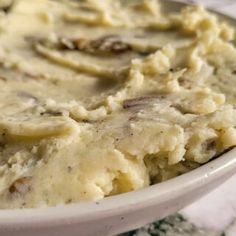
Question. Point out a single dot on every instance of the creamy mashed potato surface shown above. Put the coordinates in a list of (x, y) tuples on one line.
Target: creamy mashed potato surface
[(104, 97)]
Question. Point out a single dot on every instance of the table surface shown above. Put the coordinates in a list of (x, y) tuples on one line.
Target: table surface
[(213, 215)]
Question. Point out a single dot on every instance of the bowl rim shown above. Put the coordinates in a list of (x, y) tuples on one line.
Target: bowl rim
[(126, 202)]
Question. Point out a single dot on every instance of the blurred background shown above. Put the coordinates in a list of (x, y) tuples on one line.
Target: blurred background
[(225, 6)]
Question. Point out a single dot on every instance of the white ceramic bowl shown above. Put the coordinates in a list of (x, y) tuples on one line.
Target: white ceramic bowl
[(123, 212)]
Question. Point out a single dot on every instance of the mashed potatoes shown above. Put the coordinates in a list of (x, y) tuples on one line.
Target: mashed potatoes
[(103, 97)]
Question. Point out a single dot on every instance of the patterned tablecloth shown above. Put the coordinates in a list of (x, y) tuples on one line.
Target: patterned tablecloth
[(213, 215)]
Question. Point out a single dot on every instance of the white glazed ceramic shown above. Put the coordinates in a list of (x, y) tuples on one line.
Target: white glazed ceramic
[(124, 212)]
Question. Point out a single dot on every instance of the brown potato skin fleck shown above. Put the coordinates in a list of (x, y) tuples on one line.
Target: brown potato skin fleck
[(20, 186)]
